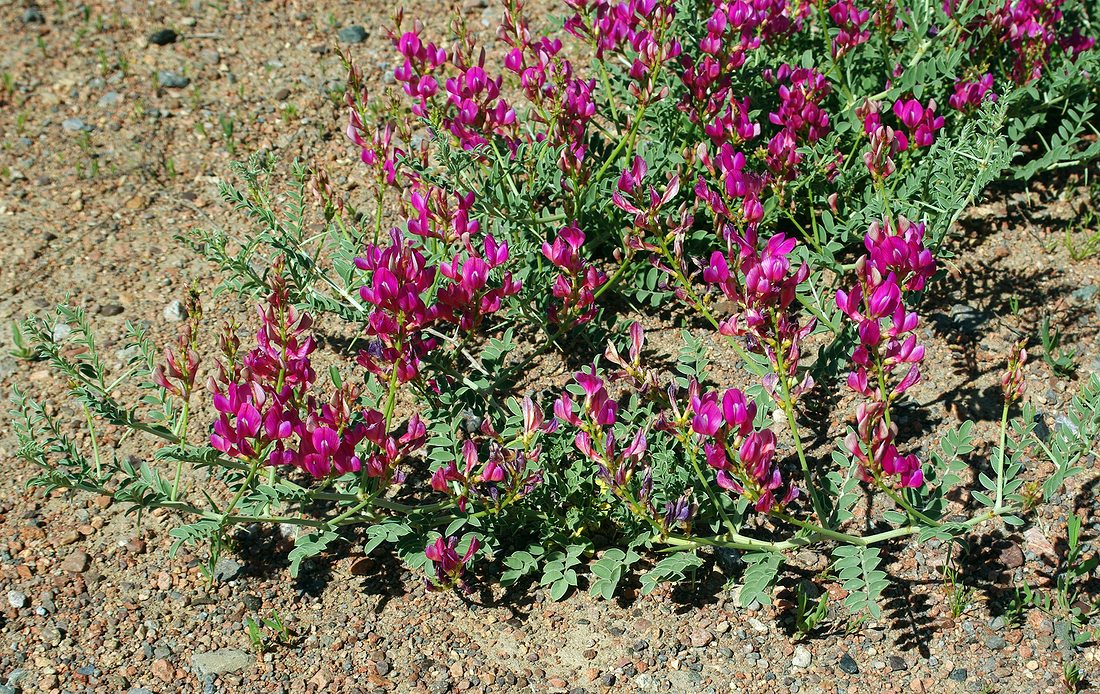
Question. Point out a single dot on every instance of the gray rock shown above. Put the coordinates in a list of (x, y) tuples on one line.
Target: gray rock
[(220, 661), (802, 657), (74, 125), (110, 309), (226, 569), (958, 674), (848, 664), (109, 99), (995, 642), (210, 56), (163, 37), (17, 599), (16, 676), (1085, 294), (61, 331), (33, 15), (352, 34), (175, 312), (897, 663), (139, 690), (172, 80)]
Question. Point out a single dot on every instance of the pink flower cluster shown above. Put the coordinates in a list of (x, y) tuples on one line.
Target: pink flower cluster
[(616, 466), (737, 197), (578, 281), (561, 101), (969, 95), (743, 457), (504, 476), (266, 410), (733, 30), (897, 261), (852, 24), (1028, 31), (800, 116), (415, 74), (634, 30), (449, 566), (478, 110), (399, 277), (468, 298), (762, 301)]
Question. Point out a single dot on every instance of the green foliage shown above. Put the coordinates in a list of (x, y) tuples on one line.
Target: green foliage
[(860, 575)]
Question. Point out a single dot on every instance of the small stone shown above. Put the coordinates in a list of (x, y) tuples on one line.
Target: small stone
[(958, 674), (1012, 557), (210, 56), (382, 668), (136, 546), (33, 15), (16, 599), (916, 685), (74, 125), (252, 602), (802, 657), (61, 331), (220, 661), (897, 663), (362, 566), (282, 94), (352, 34), (163, 37), (1085, 294), (995, 642), (175, 312), (163, 670), (848, 664), (109, 99), (76, 563), (701, 638), (226, 569), (110, 309), (172, 80)]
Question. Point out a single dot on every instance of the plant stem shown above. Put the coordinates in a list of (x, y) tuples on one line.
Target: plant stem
[(792, 422), (252, 468), (1001, 457), (95, 444), (181, 434)]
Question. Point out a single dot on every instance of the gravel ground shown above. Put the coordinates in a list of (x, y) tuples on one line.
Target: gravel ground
[(113, 142)]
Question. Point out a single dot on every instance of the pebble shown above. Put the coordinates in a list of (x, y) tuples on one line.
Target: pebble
[(109, 99), (848, 664), (221, 661), (61, 331), (226, 569), (897, 663), (163, 37), (175, 312), (802, 657), (33, 15), (172, 80), (110, 309), (1085, 294), (958, 674), (76, 563), (282, 94), (16, 599), (352, 34), (74, 125)]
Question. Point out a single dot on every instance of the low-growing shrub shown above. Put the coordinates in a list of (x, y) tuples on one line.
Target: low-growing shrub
[(778, 177)]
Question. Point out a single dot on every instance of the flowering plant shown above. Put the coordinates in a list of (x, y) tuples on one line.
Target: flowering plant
[(729, 159)]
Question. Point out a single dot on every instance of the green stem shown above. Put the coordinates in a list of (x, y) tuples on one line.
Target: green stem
[(182, 435), (95, 443), (900, 501), (252, 468), (1001, 456), (792, 422), (714, 499)]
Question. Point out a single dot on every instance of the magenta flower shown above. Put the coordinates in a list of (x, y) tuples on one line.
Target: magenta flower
[(449, 566)]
